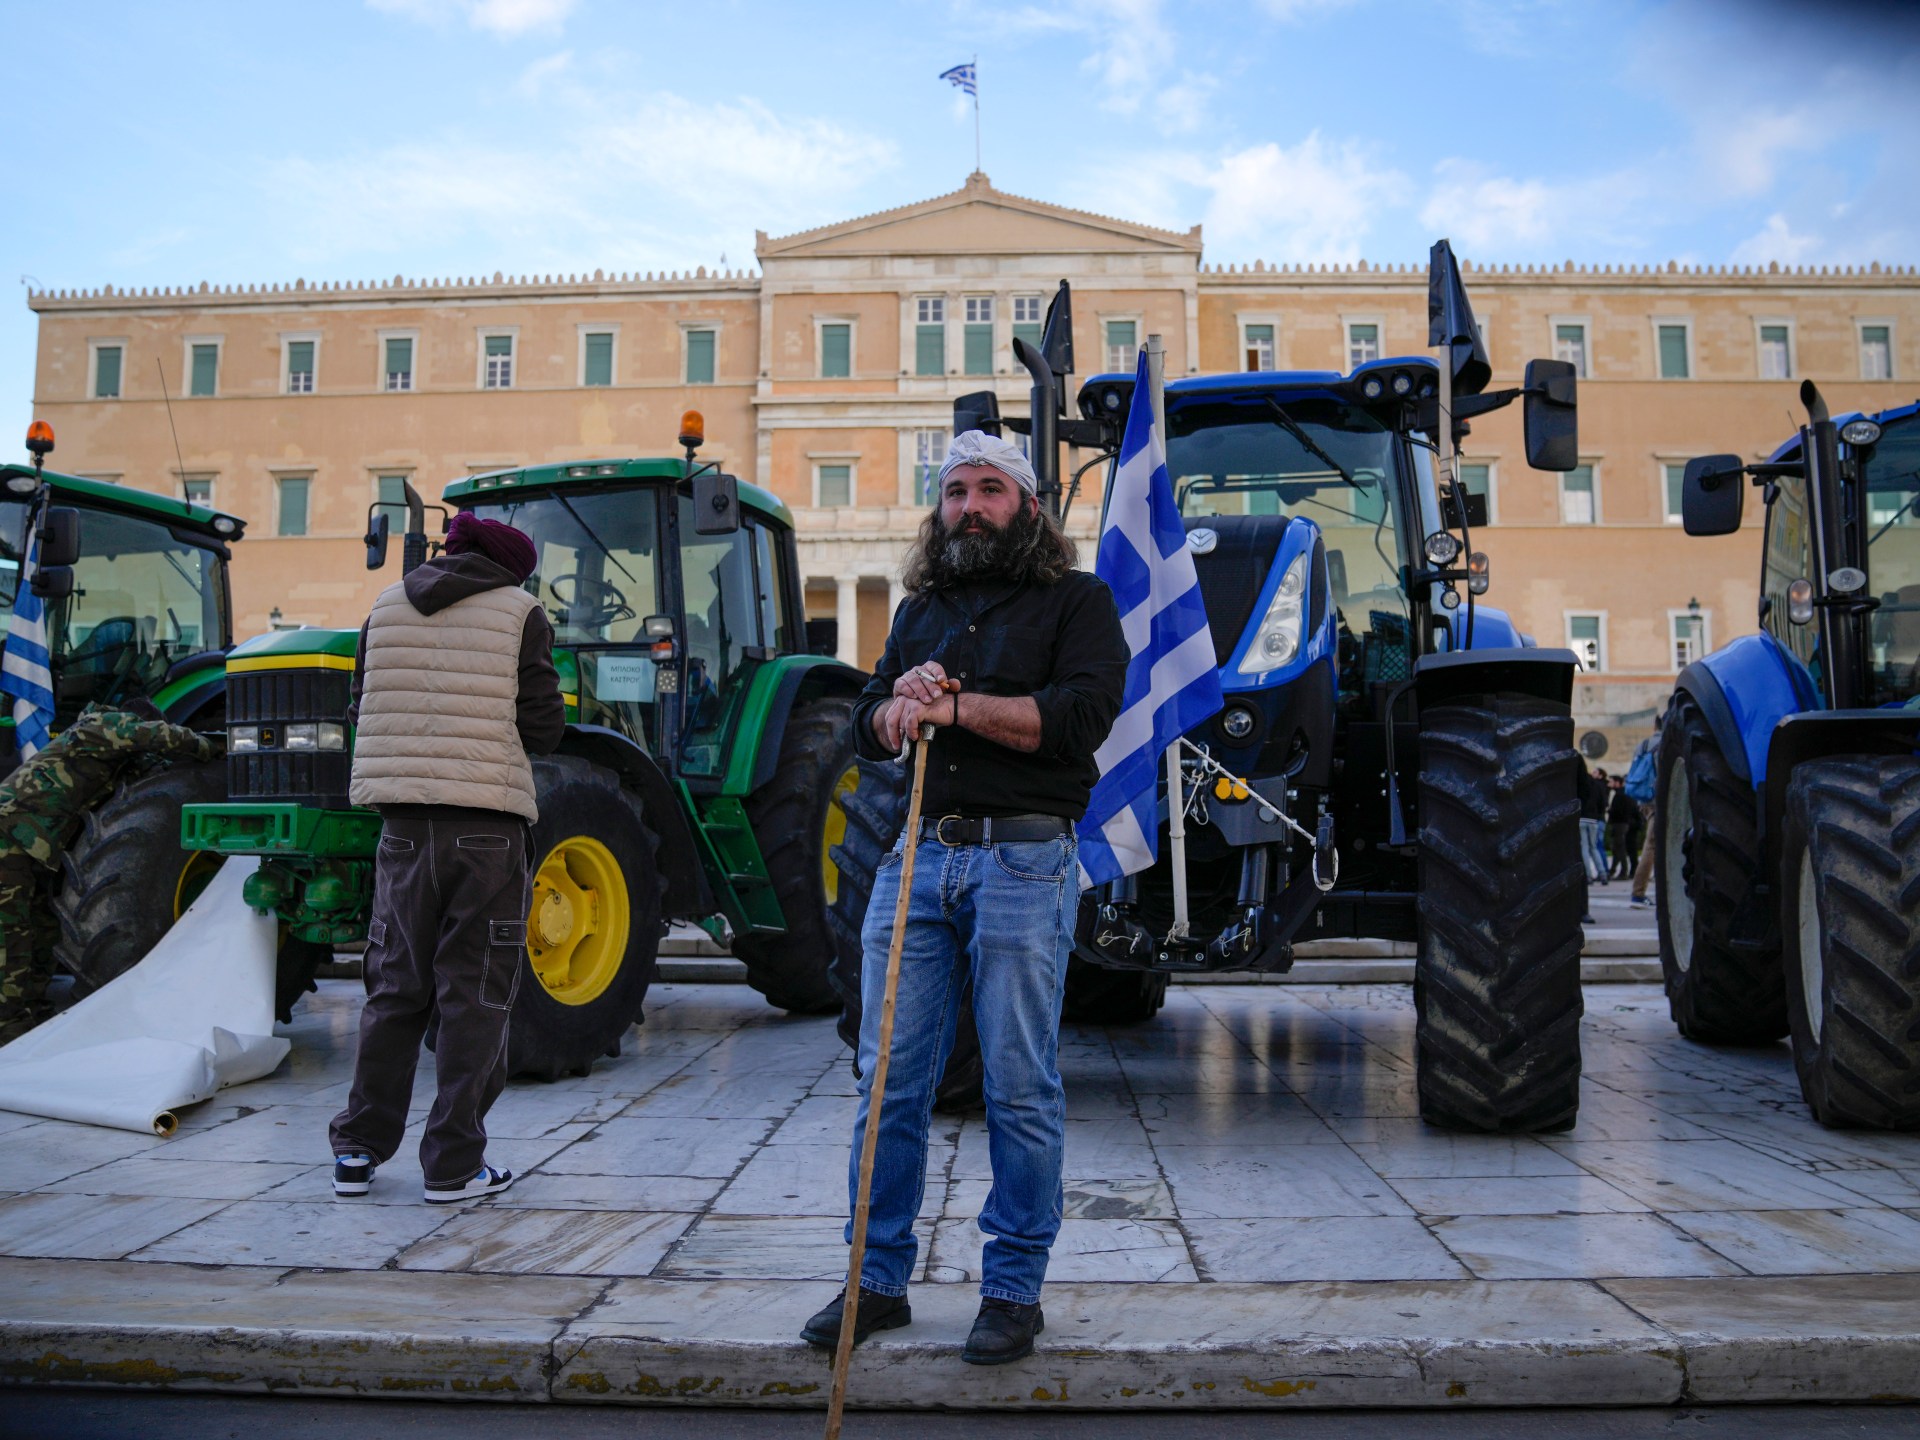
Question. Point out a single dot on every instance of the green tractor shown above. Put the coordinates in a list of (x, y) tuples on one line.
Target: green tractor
[(136, 607), (701, 777)]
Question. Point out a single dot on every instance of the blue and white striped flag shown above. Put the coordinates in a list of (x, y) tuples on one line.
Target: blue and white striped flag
[(1172, 684), (963, 76), (24, 670)]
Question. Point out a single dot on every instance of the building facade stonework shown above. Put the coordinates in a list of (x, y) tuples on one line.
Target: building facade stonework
[(829, 377)]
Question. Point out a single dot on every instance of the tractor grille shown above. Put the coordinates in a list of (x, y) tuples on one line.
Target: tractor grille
[(1233, 573), (273, 699)]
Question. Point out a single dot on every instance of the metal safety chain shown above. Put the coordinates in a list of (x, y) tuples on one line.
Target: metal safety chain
[(1212, 769)]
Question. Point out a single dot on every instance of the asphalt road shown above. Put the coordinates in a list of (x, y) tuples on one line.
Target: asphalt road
[(117, 1415)]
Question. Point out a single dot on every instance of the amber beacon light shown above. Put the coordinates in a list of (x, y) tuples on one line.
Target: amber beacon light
[(693, 430)]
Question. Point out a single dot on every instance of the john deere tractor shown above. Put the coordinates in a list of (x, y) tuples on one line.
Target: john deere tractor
[(700, 777), (134, 587), (1788, 792)]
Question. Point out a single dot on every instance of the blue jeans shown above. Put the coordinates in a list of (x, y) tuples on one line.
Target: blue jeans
[(1592, 832), (1004, 913)]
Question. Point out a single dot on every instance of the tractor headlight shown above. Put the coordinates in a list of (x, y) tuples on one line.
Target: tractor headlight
[(1278, 639), (243, 738), (333, 735), (1373, 387), (1449, 599), (1442, 548), (1859, 433), (1402, 383), (301, 737), (1237, 721)]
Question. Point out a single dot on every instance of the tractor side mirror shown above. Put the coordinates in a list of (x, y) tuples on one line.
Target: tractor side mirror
[(1711, 495), (823, 637), (716, 503), (59, 537), (1551, 415), (379, 528), (977, 411), (53, 582)]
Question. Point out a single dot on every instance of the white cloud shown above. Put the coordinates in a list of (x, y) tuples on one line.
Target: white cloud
[(1317, 200), (506, 18), (534, 78), (1505, 216), (1292, 11), (1776, 241)]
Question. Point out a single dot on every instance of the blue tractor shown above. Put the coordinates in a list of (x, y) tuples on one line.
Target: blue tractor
[(1788, 792), (1393, 759)]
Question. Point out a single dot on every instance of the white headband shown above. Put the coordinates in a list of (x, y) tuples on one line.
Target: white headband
[(976, 447)]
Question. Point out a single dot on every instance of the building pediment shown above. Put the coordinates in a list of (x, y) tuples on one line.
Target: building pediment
[(978, 220)]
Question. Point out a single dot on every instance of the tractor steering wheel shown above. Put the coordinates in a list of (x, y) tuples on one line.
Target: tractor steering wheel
[(605, 603)]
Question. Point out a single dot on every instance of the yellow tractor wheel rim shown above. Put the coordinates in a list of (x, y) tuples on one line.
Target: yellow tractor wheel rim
[(194, 875), (836, 829), (578, 927)]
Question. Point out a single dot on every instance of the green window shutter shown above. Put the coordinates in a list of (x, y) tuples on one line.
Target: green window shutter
[(699, 357), (599, 360), (206, 370), (836, 352), (399, 373), (930, 350), (1673, 352), (1121, 345), (1259, 347), (499, 345), (393, 499), (1028, 333), (293, 505), (106, 377), (1478, 480), (300, 357), (1676, 481), (1576, 496), (836, 485), (979, 350)]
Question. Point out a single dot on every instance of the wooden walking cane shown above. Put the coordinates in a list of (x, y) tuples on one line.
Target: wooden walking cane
[(863, 1195)]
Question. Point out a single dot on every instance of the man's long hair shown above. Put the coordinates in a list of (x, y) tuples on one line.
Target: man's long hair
[(1032, 548)]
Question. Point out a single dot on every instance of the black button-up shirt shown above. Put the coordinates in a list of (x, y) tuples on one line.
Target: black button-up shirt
[(1059, 643)]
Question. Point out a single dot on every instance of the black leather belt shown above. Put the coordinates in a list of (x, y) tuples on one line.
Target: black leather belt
[(991, 829)]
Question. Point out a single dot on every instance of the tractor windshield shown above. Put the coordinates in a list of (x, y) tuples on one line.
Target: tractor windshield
[(1893, 563), (1335, 464)]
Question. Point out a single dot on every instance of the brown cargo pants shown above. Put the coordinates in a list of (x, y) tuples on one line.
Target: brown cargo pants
[(449, 929)]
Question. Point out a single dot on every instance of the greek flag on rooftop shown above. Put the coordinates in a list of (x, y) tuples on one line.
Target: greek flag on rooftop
[(24, 672), (962, 75), (1172, 684)]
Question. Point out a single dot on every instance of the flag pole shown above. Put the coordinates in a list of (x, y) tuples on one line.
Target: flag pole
[(976, 114), (1176, 791)]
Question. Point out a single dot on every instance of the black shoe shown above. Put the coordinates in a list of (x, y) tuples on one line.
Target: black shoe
[(876, 1312), (352, 1174), (1002, 1331)]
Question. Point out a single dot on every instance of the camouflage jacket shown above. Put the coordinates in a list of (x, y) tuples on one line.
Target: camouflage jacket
[(42, 802)]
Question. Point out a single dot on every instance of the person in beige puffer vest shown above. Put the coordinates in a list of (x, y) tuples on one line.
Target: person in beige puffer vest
[(454, 689)]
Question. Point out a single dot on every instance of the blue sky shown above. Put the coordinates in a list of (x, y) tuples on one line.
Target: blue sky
[(168, 144)]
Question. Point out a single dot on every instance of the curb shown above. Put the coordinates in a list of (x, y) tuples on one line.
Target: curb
[(1183, 1346), (1633, 968)]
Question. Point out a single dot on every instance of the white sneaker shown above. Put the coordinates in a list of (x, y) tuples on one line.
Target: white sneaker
[(488, 1182)]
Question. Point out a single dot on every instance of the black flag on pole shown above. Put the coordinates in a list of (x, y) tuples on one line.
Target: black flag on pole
[(1450, 322)]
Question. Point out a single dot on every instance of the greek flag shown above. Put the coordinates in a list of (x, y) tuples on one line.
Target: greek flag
[(24, 670), (1172, 684), (962, 75)]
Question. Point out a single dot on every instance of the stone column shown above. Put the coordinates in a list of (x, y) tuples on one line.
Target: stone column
[(848, 611), (896, 592)]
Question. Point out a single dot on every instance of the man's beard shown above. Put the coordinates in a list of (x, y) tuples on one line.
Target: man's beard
[(976, 548)]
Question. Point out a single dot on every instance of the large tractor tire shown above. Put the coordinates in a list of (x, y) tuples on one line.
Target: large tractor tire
[(1097, 995), (1851, 937), (875, 811), (1497, 982), (798, 817), (593, 932), (1706, 855)]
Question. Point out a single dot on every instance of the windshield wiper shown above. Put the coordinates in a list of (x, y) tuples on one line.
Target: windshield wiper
[(568, 507), (1287, 423), (1894, 519)]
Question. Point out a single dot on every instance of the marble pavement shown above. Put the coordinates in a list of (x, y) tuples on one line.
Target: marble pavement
[(1254, 1216)]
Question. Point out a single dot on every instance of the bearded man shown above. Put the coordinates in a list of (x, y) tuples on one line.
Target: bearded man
[(996, 604)]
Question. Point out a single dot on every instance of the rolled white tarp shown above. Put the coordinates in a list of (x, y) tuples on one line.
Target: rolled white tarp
[(193, 1017)]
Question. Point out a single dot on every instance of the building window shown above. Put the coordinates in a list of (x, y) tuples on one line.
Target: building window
[(596, 358), (1876, 352), (203, 368), (929, 450), (1674, 361), (1477, 479), (1123, 346), (106, 372), (1570, 345), (1257, 346), (1674, 480), (197, 489), (1363, 343), (1776, 352), (1579, 497), (390, 500), (1028, 319), (977, 351), (1687, 636), (700, 357), (930, 335), (833, 485), (497, 371), (399, 366), (292, 507), (1587, 638), (836, 351), (300, 367)]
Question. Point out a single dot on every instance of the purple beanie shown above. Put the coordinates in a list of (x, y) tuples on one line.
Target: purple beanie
[(500, 543)]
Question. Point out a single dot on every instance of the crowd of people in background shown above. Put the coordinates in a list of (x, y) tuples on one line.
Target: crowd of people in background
[(1616, 821)]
